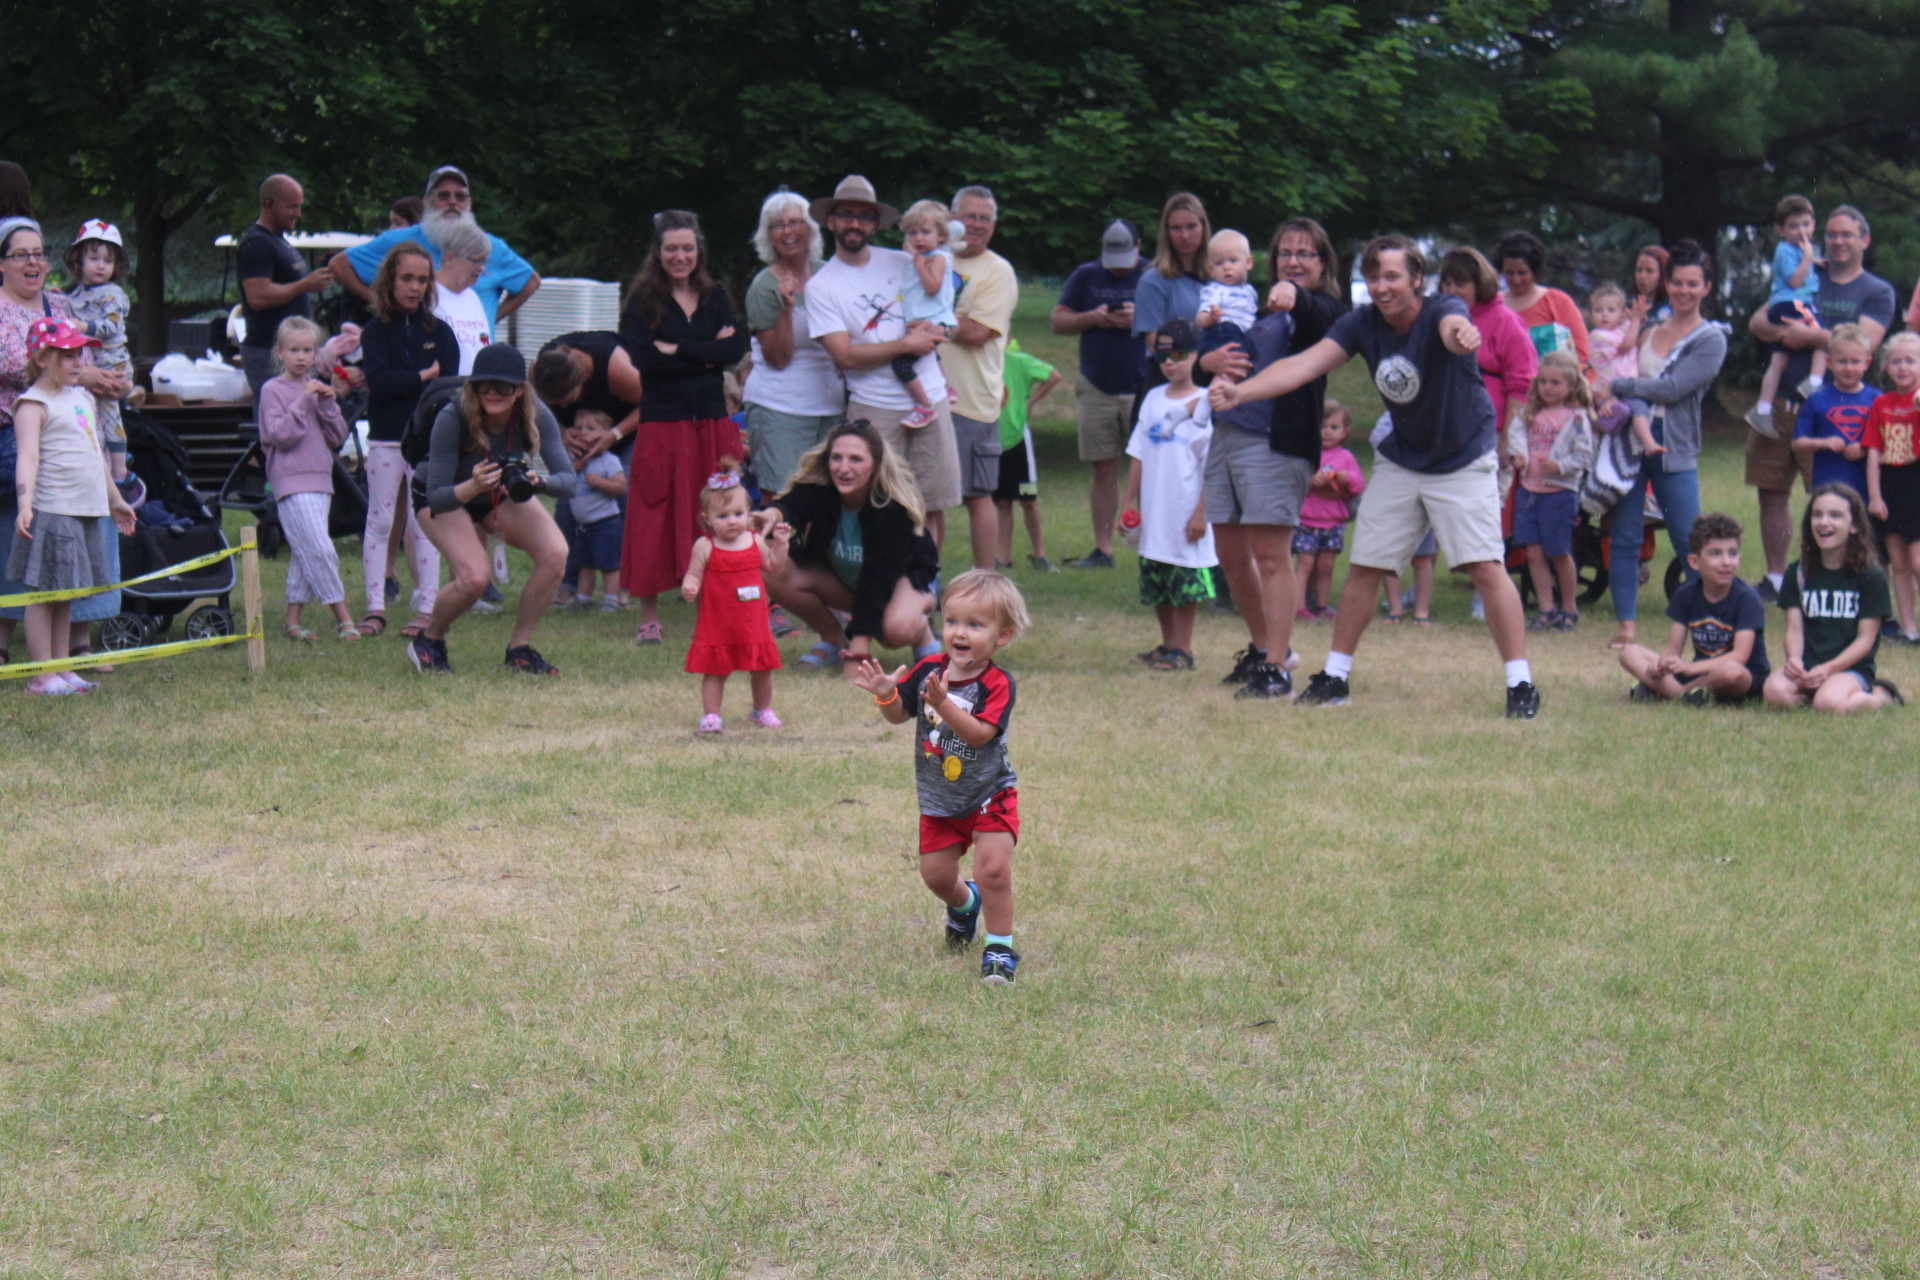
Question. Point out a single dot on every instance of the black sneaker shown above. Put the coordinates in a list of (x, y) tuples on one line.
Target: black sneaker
[(1523, 701), (392, 589), (1324, 690), (525, 658), (1893, 694), (1694, 697), (1094, 559), (490, 601), (1769, 594), (997, 964), (428, 656), (1244, 663), (961, 924), (1641, 693), (1267, 681)]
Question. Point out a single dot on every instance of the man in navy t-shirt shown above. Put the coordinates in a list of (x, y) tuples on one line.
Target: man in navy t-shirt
[(1849, 294), (1438, 469), (1097, 304)]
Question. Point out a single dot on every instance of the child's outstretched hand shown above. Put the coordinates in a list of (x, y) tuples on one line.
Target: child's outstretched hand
[(872, 677)]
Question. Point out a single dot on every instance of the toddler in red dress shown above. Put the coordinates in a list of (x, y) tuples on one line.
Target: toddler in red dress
[(732, 632)]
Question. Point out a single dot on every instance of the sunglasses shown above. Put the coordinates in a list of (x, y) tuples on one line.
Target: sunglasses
[(494, 388), (1164, 354)]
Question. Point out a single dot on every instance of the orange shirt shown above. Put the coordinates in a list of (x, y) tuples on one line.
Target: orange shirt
[(1891, 426)]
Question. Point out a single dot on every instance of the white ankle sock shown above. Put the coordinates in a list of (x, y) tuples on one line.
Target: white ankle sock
[(1518, 672), (1777, 579), (1339, 665)]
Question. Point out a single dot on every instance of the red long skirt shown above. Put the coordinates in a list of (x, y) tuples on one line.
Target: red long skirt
[(671, 463)]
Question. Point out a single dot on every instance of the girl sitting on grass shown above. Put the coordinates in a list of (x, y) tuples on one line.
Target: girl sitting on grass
[(64, 481), (732, 632), (300, 427), (1835, 598)]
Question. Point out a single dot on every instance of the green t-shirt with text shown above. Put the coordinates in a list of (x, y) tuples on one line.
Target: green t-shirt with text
[(1831, 603)]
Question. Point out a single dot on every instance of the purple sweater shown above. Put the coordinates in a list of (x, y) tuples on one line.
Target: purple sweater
[(300, 433)]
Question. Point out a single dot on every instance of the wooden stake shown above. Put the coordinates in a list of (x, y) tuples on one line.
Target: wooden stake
[(250, 599)]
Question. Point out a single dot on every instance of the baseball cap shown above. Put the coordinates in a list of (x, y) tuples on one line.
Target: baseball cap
[(1120, 245), (57, 334), (1177, 334), (498, 363), (446, 171), (99, 229)]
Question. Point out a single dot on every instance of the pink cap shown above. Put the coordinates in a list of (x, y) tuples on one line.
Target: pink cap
[(58, 334)]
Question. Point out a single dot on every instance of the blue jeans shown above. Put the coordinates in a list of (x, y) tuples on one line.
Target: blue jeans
[(1679, 495)]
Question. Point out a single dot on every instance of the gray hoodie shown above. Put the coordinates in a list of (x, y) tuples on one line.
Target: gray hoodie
[(1680, 389)]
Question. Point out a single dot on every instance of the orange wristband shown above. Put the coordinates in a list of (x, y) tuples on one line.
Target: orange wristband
[(888, 700)]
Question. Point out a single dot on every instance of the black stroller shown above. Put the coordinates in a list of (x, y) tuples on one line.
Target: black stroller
[(147, 610)]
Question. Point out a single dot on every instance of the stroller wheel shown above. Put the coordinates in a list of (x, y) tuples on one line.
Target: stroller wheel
[(209, 621), (123, 631), (1675, 572)]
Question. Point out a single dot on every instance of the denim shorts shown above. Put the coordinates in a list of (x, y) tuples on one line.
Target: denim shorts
[(596, 546), (1546, 520)]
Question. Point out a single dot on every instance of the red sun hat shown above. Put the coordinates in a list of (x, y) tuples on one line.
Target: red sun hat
[(57, 334)]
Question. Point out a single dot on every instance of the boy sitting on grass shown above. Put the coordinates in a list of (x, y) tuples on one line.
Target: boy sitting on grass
[(1725, 618), (960, 703)]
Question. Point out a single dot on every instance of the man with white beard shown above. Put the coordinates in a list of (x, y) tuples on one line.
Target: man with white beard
[(503, 287)]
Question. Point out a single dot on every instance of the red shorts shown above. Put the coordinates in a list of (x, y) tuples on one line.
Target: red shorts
[(1001, 813)]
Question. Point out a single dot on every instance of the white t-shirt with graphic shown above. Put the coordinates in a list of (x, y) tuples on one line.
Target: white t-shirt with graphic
[(867, 303), (466, 315), (1171, 442)]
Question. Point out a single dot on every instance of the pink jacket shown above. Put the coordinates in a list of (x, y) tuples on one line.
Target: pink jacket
[(1508, 360), (300, 433), (1323, 511)]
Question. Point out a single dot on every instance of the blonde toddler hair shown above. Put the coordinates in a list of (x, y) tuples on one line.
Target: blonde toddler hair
[(1579, 395), (295, 327), (1849, 335), (997, 591), (926, 212)]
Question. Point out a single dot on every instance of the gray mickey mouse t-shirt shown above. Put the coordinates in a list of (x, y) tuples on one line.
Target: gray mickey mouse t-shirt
[(1442, 418)]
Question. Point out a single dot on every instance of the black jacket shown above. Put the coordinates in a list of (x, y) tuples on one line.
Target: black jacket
[(393, 354), (891, 549), (687, 384), (1296, 415)]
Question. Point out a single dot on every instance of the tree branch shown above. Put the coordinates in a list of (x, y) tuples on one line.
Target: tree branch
[(173, 222), (1645, 210)]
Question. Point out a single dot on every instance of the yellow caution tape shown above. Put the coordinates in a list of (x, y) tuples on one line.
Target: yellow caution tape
[(114, 658), (76, 593)]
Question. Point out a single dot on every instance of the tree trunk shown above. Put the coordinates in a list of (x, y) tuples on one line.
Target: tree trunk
[(153, 226), (150, 231)]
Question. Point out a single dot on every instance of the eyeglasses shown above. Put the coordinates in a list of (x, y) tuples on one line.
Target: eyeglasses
[(1295, 255), (451, 195), (861, 215), (27, 255), (494, 388)]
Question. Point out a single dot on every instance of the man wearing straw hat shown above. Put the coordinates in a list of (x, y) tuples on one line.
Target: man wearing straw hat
[(854, 310)]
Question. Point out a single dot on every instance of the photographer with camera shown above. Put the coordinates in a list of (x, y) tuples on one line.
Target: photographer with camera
[(477, 479)]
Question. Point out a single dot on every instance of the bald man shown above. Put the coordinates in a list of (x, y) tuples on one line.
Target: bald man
[(274, 280)]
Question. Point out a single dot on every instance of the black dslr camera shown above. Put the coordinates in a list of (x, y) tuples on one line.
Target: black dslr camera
[(516, 479)]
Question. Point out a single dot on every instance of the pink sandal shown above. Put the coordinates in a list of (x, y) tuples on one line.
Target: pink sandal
[(650, 633)]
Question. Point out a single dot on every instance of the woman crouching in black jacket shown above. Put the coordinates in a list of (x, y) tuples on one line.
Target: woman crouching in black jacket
[(858, 543)]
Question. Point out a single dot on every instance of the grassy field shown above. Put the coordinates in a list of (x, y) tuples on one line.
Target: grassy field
[(346, 973)]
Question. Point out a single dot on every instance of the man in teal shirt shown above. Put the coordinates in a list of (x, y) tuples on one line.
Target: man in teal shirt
[(503, 287)]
